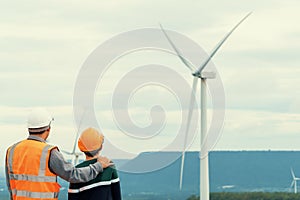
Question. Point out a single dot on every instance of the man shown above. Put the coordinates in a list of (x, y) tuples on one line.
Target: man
[(32, 166), (106, 186)]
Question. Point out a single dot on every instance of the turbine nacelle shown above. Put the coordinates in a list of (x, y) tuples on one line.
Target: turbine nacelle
[(205, 75)]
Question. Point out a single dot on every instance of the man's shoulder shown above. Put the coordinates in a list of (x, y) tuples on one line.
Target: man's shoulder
[(112, 167), (14, 145), (86, 163)]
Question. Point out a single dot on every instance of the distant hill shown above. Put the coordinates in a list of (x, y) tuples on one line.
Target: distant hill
[(230, 171), (267, 171)]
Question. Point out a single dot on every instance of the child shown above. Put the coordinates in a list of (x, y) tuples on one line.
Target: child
[(106, 186)]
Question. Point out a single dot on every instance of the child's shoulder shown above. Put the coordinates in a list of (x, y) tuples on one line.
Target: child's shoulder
[(86, 163)]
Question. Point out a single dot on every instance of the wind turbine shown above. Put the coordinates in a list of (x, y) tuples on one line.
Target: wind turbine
[(73, 152), (294, 182), (203, 75)]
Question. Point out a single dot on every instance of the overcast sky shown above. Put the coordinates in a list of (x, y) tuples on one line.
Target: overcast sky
[(43, 46)]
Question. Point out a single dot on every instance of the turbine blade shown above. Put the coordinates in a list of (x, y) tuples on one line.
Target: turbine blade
[(181, 169), (72, 160), (190, 114), (185, 62), (202, 66), (66, 152), (293, 174), (77, 134), (76, 160), (292, 184)]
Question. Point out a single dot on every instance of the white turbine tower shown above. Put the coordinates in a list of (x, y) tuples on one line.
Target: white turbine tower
[(73, 152), (294, 182), (203, 75)]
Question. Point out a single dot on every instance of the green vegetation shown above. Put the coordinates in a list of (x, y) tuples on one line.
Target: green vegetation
[(251, 196)]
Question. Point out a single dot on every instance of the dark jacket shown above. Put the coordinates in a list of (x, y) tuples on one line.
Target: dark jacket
[(106, 186)]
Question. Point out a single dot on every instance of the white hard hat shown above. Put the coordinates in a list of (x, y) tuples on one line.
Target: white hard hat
[(39, 118)]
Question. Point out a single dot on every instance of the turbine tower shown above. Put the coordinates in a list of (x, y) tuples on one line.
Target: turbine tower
[(294, 182), (203, 75)]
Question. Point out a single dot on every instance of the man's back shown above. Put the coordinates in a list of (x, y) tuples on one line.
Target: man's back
[(106, 186), (27, 172)]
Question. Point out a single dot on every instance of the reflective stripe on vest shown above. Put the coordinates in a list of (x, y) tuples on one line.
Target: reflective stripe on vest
[(87, 187), (10, 158), (43, 195), (9, 165), (40, 178), (23, 177)]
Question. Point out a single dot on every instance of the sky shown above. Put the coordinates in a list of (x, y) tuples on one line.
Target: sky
[(43, 46)]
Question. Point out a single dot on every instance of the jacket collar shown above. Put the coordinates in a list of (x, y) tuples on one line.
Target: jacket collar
[(37, 138)]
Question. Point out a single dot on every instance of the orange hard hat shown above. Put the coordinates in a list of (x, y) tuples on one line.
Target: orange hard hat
[(90, 140)]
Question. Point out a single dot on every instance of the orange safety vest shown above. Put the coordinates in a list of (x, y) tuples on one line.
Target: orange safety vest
[(28, 172)]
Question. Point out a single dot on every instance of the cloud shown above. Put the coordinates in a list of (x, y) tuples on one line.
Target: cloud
[(254, 129), (34, 88), (42, 47)]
